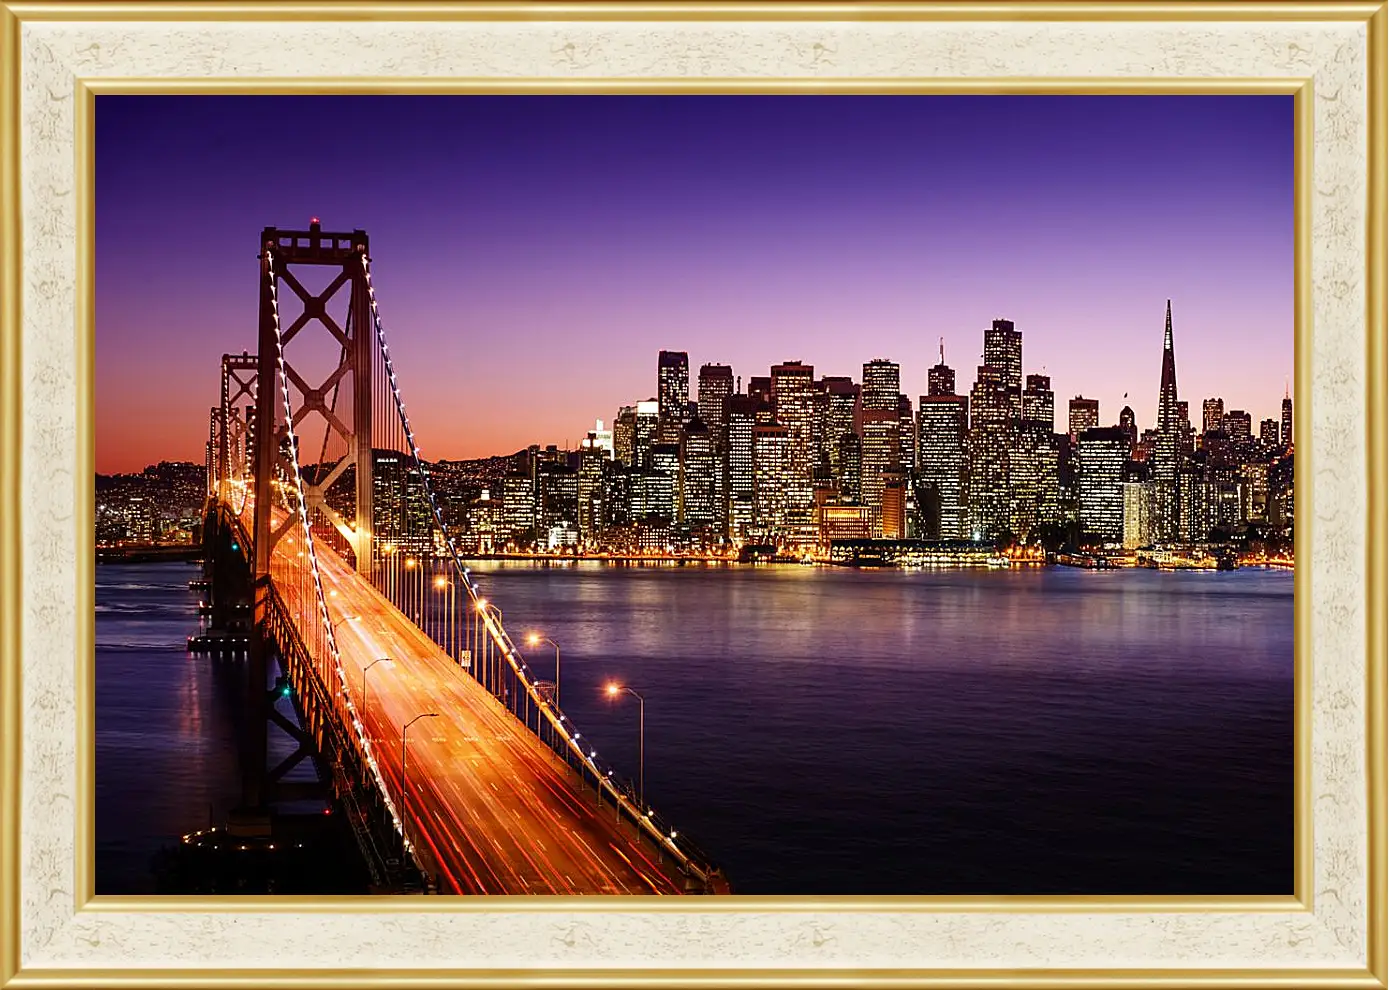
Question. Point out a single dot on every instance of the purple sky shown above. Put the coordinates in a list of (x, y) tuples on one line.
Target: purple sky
[(532, 254)]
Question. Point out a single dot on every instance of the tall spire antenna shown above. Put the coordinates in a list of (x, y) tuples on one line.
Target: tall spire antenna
[(942, 350), (1167, 392), (1286, 394)]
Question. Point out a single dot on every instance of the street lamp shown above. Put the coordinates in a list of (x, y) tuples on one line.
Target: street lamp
[(404, 794), (614, 690), (364, 680), (345, 618), (535, 639), (450, 644)]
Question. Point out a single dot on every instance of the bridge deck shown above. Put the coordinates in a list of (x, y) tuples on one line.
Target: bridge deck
[(489, 804)]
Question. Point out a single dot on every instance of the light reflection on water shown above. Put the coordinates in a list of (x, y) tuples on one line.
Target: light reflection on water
[(832, 731)]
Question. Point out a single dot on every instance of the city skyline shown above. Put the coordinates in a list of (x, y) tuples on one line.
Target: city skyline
[(494, 246)]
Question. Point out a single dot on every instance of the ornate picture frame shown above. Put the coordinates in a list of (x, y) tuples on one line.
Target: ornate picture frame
[(56, 57)]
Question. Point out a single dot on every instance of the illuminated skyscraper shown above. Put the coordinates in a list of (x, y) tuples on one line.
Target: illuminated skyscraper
[(1168, 444), (771, 472), (625, 435), (1138, 514), (1102, 454), (739, 461), (841, 399), (940, 379), (1129, 424), (673, 394), (715, 388), (851, 467), (698, 488), (592, 456), (990, 440), (1239, 425), (1084, 414), (1003, 350), (942, 435), (793, 398), (1168, 416), (1039, 404), (1212, 414), (644, 433), (1287, 418), (881, 429)]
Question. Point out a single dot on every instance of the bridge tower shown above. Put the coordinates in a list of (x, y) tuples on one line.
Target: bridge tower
[(282, 252), (240, 378)]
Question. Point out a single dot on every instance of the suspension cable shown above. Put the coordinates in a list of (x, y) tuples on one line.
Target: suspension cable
[(363, 739)]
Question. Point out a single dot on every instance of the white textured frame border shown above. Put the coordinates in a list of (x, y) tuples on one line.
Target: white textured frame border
[(61, 943)]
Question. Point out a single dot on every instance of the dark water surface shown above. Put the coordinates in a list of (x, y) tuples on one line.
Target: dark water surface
[(823, 731)]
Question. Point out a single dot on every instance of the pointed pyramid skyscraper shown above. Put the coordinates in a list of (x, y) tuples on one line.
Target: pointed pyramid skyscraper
[(1168, 419)]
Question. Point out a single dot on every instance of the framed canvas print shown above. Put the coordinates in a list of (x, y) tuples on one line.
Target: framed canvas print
[(693, 494)]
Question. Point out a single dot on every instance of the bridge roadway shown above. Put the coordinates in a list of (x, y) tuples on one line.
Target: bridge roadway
[(493, 808)]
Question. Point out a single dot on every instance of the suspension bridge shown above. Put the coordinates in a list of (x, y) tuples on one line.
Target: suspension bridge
[(332, 570)]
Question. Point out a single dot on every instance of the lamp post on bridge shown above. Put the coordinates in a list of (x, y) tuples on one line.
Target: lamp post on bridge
[(450, 643), (404, 792), (535, 639), (364, 683), (614, 690)]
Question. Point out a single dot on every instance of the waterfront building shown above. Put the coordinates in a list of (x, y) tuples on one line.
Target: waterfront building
[(1102, 454), (1138, 514), (1034, 482), (1083, 414), (894, 505), (942, 438), (518, 514), (592, 458), (880, 419), (771, 474), (698, 487), (793, 399), (844, 522), (740, 463), (990, 442)]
